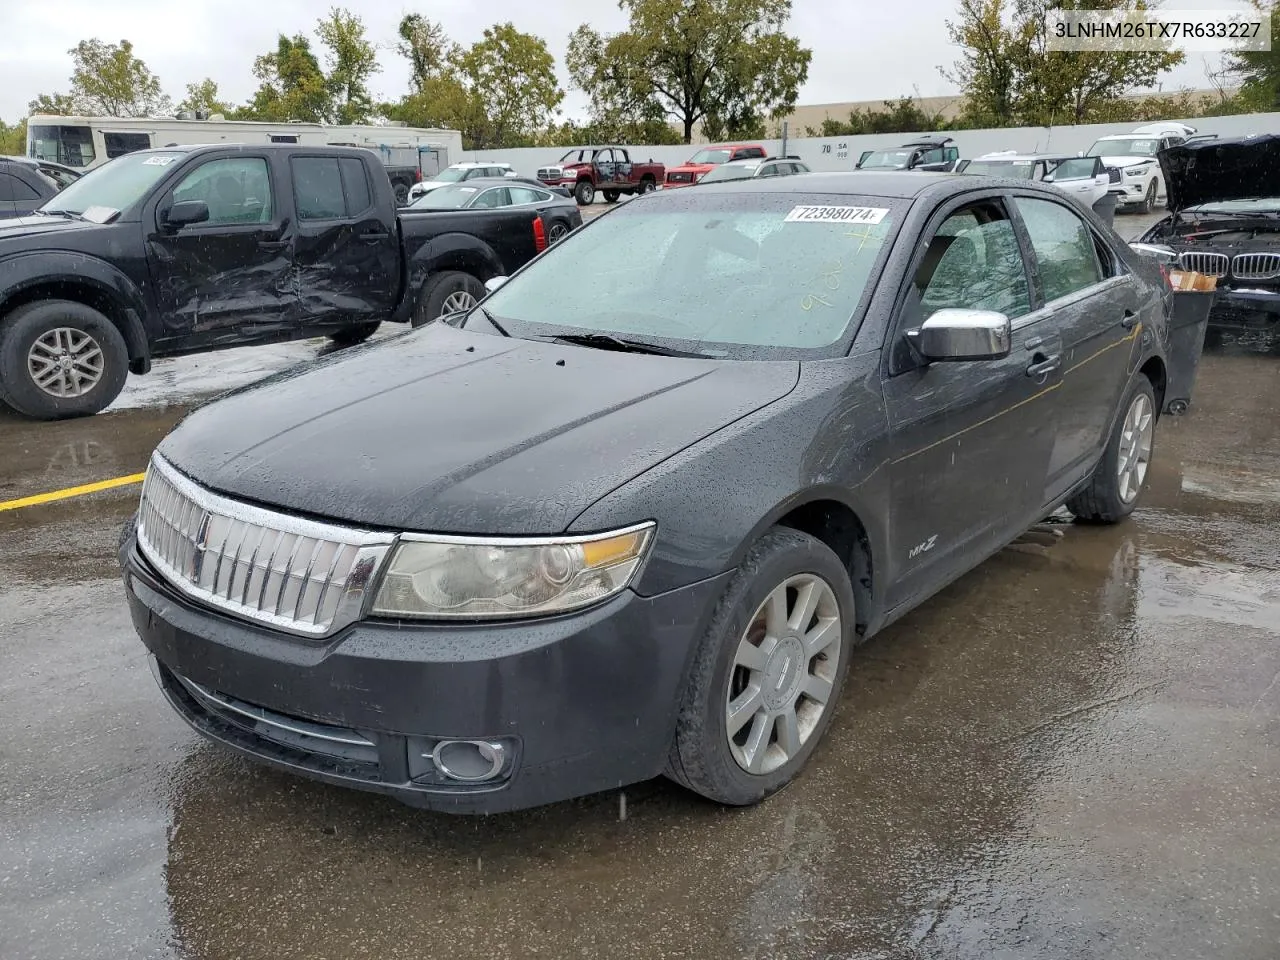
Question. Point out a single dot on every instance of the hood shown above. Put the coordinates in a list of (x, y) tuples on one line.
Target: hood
[(426, 186), (692, 168), (1210, 171), (1125, 161), (447, 431), (27, 227)]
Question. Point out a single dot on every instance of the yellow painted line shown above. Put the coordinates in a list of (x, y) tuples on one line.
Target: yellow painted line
[(68, 492)]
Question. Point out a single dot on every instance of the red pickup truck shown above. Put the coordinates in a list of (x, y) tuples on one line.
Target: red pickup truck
[(708, 158), (607, 169)]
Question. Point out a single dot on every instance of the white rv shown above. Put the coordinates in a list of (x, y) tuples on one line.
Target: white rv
[(86, 142)]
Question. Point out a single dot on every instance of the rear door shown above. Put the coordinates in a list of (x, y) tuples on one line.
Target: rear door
[(348, 249), (1095, 304), (971, 440), (230, 277)]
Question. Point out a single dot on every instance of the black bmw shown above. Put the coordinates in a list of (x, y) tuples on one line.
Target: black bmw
[(586, 534)]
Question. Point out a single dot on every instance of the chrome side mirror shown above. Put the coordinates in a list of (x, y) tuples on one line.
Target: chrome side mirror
[(955, 334), (493, 283)]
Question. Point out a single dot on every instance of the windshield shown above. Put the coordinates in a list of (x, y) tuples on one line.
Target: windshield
[(445, 198), (1018, 169), (71, 146), (729, 172), (62, 178), (747, 276), (1135, 147), (886, 159), (710, 156), (450, 175), (1076, 169), (116, 185)]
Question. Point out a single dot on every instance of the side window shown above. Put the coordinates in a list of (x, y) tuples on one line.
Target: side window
[(355, 184), (118, 144), (23, 190), (491, 199), (750, 153), (524, 195), (1063, 245), (952, 153), (6, 187), (934, 155), (317, 188), (973, 262), (236, 189)]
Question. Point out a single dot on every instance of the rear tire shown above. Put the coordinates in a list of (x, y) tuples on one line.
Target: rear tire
[(585, 193), (358, 333), (1117, 484), (402, 194), (784, 670), (611, 196), (648, 185), (60, 359), (445, 293)]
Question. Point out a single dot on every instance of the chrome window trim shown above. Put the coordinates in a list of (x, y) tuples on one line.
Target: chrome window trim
[(546, 541)]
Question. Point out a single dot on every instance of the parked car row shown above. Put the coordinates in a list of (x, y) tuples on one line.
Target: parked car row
[(546, 592), (26, 184)]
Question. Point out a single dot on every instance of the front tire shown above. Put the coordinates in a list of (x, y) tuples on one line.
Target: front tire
[(1148, 201), (1120, 476), (60, 359), (768, 672), (611, 196), (585, 193), (449, 292), (357, 333)]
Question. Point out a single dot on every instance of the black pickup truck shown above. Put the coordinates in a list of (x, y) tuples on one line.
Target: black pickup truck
[(189, 249)]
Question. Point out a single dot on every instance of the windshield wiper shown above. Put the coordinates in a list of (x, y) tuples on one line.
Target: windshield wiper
[(69, 214), (607, 341), (492, 322)]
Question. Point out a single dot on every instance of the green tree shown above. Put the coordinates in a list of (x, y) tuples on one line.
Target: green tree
[(352, 60), (291, 84), (203, 96), (1258, 72), (107, 80), (511, 77), (53, 104), (13, 139), (728, 61), (427, 47), (987, 68)]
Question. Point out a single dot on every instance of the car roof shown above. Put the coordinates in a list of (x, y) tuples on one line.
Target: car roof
[(1029, 156), (25, 161), (899, 185), (480, 163), (495, 182)]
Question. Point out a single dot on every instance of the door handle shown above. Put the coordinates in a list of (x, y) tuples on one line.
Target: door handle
[(1044, 367), (273, 244), (1129, 320), (375, 235)]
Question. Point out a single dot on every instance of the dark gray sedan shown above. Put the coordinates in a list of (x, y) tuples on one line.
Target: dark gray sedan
[(646, 519), (559, 211)]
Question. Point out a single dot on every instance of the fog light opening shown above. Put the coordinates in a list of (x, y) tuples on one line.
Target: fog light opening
[(469, 761)]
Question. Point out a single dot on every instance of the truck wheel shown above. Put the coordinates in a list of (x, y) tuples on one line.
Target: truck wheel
[(611, 196), (585, 193), (767, 674), (60, 359), (357, 333), (446, 293), (1120, 475), (402, 194), (648, 185)]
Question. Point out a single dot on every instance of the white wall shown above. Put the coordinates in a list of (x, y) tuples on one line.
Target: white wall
[(840, 153)]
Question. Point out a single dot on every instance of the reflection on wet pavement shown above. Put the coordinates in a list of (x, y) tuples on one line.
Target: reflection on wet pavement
[(1073, 752)]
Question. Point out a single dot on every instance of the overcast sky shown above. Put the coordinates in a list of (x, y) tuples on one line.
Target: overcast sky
[(862, 49)]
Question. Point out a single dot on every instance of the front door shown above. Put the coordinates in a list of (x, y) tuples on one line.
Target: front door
[(348, 250), (1096, 306), (971, 440), (230, 277)]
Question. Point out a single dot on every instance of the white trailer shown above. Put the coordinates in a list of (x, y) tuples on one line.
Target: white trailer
[(86, 142)]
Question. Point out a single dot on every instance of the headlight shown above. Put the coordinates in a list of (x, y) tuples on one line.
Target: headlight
[(1137, 171), (463, 577)]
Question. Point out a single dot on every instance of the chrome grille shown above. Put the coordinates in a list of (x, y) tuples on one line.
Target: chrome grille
[(1113, 174), (298, 575), (549, 173), (1212, 264), (679, 177), (1256, 266)]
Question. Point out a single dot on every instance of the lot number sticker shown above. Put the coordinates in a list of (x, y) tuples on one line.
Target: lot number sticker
[(836, 214), (157, 161)]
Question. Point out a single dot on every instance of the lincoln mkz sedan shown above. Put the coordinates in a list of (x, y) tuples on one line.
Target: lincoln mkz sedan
[(587, 534)]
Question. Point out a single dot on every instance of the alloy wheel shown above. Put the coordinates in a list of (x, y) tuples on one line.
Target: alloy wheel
[(557, 233), (1135, 448), (66, 363), (457, 302), (784, 671)]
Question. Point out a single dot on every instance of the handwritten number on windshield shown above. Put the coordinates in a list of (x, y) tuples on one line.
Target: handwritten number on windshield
[(829, 277)]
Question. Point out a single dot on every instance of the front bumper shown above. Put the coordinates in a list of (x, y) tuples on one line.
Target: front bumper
[(582, 703), (1246, 309)]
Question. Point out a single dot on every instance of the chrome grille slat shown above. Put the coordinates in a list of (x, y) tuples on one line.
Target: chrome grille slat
[(1210, 264), (244, 559), (1256, 266)]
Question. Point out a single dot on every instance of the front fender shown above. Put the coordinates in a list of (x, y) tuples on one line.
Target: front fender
[(453, 251), (65, 274)]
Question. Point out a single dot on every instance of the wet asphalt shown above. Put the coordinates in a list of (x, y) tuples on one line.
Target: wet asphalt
[(1073, 752)]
